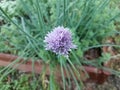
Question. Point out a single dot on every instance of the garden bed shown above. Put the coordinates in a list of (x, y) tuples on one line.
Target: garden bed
[(59, 45)]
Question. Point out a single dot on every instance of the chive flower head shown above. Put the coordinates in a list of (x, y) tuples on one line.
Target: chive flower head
[(59, 41)]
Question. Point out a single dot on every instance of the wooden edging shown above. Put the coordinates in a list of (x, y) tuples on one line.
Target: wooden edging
[(95, 75)]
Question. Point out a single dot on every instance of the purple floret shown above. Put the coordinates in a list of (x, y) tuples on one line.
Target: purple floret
[(59, 41)]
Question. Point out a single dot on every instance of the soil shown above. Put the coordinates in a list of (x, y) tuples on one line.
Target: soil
[(113, 83)]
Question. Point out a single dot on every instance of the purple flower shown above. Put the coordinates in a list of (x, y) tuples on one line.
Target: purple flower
[(59, 41)]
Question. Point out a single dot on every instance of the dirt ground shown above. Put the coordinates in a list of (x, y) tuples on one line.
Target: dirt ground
[(113, 83)]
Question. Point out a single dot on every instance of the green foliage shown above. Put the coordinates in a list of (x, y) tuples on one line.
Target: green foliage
[(96, 23), (28, 21), (17, 81)]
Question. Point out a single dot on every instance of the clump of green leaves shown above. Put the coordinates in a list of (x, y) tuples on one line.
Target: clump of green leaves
[(19, 81)]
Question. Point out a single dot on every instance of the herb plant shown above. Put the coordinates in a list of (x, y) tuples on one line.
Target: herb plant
[(27, 22)]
